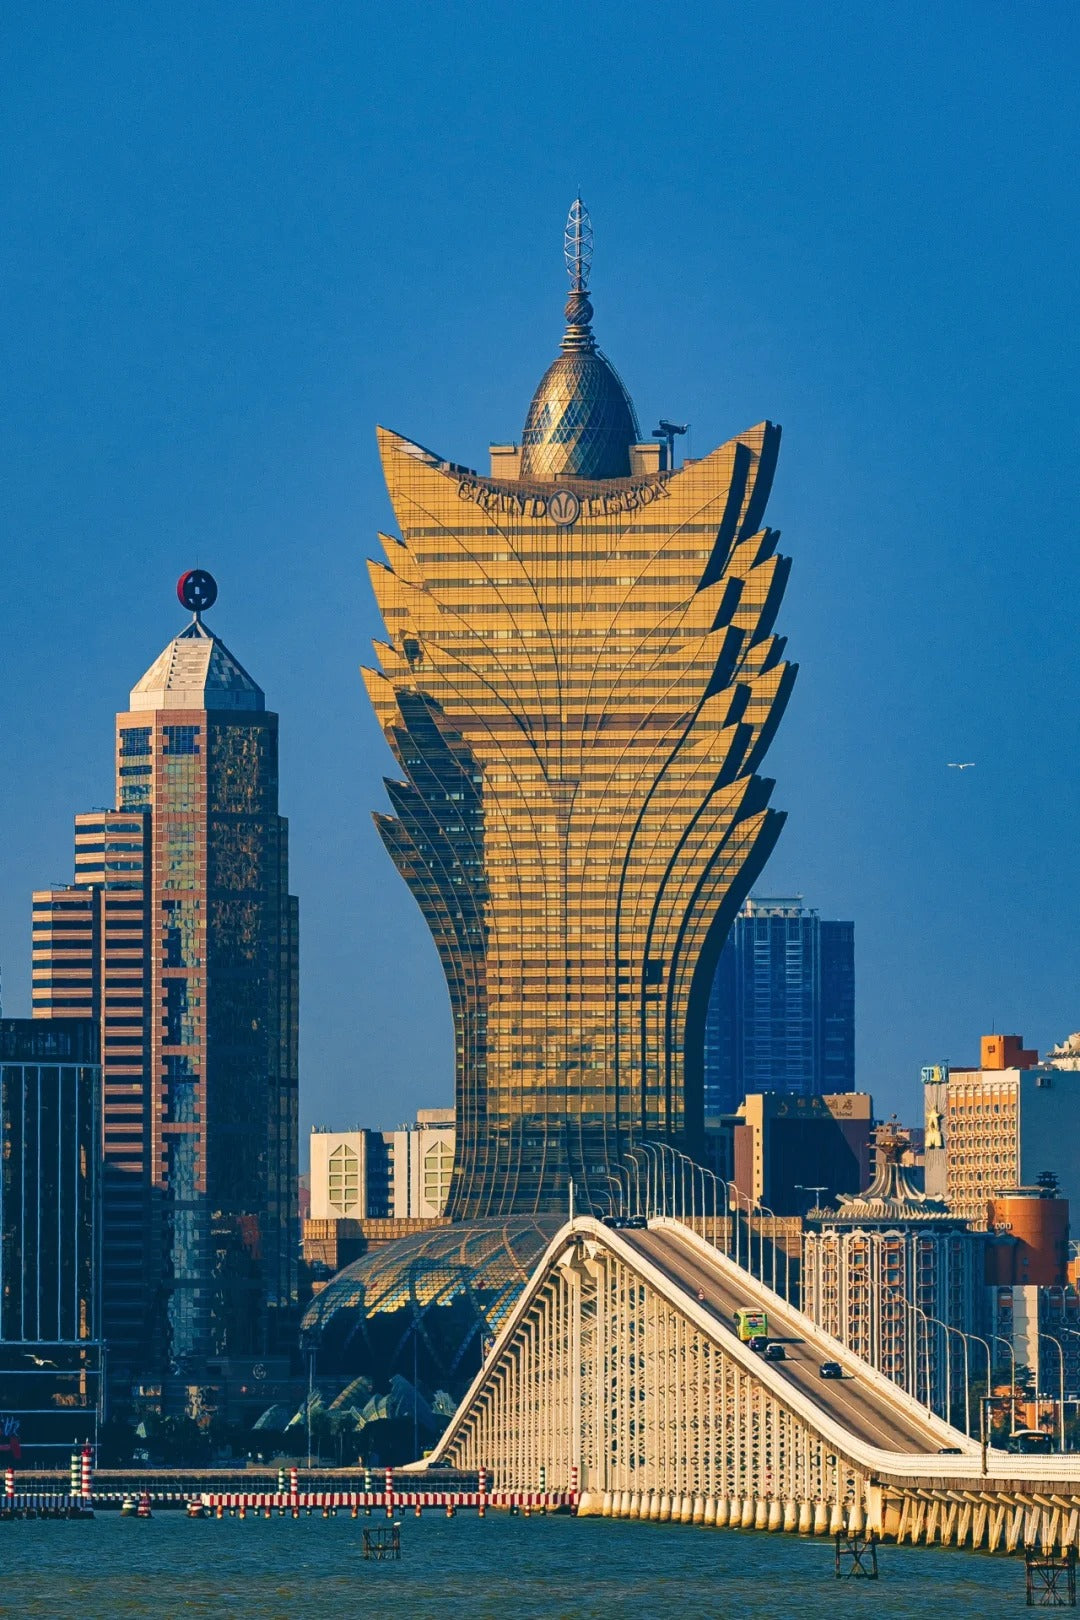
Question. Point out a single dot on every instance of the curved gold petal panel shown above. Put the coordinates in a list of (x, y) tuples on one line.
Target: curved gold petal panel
[(578, 682)]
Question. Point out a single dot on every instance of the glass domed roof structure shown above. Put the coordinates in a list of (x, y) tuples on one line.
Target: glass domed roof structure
[(425, 1303), (581, 421)]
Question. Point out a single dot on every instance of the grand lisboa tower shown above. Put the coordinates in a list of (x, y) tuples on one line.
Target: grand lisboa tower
[(579, 681)]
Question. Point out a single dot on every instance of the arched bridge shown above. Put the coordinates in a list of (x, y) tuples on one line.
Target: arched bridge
[(620, 1373)]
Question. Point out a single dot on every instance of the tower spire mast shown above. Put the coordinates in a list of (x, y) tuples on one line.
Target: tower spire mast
[(578, 253)]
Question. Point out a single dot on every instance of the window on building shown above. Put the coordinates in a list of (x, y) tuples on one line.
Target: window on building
[(181, 740), (438, 1165), (343, 1178)]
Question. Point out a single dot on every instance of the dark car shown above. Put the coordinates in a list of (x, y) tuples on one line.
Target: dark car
[(636, 1222), (775, 1352), (758, 1342), (949, 1451), (617, 1221), (830, 1369)]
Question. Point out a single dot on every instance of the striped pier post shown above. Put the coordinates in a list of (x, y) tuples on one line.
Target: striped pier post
[(389, 1488), (481, 1485), (75, 1477), (574, 1485), (86, 1481), (9, 1487)]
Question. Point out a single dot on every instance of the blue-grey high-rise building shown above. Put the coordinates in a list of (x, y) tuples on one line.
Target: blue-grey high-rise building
[(782, 1010)]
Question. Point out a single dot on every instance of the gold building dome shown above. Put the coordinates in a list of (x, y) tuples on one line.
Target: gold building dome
[(581, 421)]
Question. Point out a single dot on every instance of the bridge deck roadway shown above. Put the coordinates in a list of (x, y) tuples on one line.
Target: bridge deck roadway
[(865, 1412)]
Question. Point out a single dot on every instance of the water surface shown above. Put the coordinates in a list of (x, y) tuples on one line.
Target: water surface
[(497, 1568)]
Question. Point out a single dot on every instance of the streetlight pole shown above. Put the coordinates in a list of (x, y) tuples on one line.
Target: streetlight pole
[(310, 1398), (1073, 1334), (984, 1426), (631, 1155), (1061, 1373), (927, 1319), (1012, 1379), (764, 1209)]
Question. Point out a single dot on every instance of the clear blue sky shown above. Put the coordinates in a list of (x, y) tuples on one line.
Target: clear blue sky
[(236, 236)]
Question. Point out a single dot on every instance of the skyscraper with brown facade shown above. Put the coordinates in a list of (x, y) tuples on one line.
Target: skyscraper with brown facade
[(179, 935), (579, 682)]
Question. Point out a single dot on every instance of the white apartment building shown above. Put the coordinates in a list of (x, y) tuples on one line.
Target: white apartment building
[(366, 1174)]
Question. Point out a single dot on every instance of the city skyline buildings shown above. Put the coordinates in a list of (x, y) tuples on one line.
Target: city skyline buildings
[(579, 682), (179, 936), (921, 387), (781, 1013)]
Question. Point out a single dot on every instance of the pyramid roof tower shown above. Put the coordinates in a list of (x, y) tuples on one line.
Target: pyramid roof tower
[(197, 671)]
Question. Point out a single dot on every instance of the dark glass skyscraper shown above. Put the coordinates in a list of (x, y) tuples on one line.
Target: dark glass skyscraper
[(49, 1084), (782, 1010), (50, 1354), (180, 936), (579, 682)]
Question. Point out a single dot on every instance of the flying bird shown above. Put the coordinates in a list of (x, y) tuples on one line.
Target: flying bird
[(40, 1361), (960, 765)]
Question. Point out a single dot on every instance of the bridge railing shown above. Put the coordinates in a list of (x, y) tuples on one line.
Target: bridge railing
[(656, 1179)]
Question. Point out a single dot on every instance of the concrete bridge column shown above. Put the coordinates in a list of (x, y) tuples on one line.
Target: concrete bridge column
[(654, 1506), (709, 1516), (776, 1515), (821, 1518), (806, 1518), (746, 1518), (697, 1510), (836, 1520), (686, 1510), (664, 1514), (721, 1511), (791, 1515), (605, 1505), (855, 1518)]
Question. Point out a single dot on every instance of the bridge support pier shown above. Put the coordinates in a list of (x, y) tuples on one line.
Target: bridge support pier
[(821, 1518), (761, 1513), (746, 1518), (721, 1511), (709, 1516), (791, 1516), (806, 1519), (697, 1511), (836, 1520), (776, 1515)]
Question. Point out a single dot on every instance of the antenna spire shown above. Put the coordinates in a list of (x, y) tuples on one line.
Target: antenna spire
[(578, 253)]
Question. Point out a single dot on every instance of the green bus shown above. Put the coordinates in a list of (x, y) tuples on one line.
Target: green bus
[(751, 1324)]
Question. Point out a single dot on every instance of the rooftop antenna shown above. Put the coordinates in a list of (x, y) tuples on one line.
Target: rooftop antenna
[(667, 431)]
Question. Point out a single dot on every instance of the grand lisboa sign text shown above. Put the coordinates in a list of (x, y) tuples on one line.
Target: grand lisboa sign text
[(563, 506)]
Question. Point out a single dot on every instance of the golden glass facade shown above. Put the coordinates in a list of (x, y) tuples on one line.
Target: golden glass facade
[(579, 683)]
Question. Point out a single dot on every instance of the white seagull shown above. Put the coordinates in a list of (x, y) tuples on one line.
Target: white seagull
[(40, 1361), (960, 765)]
